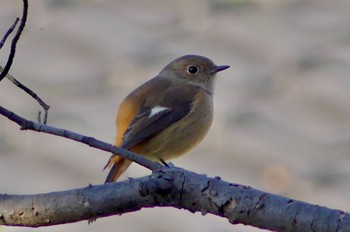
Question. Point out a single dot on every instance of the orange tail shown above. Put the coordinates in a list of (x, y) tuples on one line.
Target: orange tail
[(119, 165)]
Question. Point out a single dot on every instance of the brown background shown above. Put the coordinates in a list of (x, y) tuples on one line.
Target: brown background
[(282, 112)]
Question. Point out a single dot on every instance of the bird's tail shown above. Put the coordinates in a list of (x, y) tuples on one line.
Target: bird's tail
[(119, 165)]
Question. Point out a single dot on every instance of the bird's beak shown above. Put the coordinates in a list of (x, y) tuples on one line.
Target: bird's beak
[(219, 68)]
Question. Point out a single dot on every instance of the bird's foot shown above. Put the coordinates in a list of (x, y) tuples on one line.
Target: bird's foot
[(171, 165)]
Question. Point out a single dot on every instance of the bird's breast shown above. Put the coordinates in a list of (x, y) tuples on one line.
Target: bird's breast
[(183, 135)]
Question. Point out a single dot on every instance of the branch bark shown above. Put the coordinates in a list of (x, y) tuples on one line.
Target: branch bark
[(172, 187)]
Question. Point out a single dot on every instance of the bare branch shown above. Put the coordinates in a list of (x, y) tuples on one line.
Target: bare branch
[(15, 40), (92, 142), (9, 31), (31, 93), (4, 71), (172, 187)]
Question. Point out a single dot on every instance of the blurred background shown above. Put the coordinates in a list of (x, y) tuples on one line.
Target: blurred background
[(282, 111)]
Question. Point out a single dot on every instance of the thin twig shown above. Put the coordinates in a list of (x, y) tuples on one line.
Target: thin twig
[(31, 93), (92, 142), (10, 30), (4, 71), (15, 40)]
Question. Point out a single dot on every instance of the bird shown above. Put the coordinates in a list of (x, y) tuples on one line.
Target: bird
[(168, 115)]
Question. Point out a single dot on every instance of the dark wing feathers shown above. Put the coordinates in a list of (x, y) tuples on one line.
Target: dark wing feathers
[(144, 127), (177, 98)]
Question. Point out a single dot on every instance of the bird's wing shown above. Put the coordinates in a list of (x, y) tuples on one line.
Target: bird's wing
[(158, 112), (147, 124)]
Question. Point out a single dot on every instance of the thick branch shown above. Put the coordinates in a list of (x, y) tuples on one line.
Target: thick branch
[(176, 188)]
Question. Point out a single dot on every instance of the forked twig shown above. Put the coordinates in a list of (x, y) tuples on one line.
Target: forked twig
[(45, 106), (4, 71)]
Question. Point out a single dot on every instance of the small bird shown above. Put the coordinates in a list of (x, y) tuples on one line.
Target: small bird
[(168, 115)]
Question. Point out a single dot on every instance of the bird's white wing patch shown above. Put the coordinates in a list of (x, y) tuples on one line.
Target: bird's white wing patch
[(157, 109)]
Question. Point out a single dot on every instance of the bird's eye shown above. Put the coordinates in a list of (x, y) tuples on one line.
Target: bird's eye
[(193, 70)]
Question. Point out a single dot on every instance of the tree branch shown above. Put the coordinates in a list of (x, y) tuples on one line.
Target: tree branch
[(15, 40), (45, 106), (172, 187), (4, 71), (9, 31), (92, 142)]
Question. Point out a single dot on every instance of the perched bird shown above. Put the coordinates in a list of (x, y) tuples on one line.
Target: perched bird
[(168, 115)]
